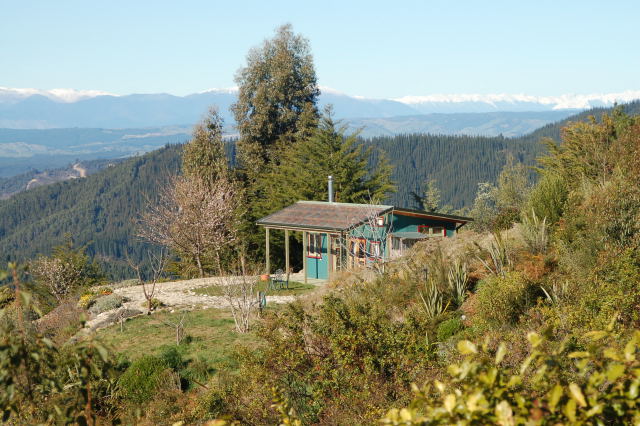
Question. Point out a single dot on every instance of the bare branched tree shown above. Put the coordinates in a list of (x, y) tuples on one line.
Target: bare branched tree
[(157, 261), (178, 326), (368, 237), (59, 276), (240, 292), (194, 218)]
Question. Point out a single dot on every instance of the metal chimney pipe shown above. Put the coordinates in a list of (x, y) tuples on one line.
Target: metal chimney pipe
[(331, 189)]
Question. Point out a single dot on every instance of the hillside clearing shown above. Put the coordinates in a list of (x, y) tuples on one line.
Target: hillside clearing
[(209, 335)]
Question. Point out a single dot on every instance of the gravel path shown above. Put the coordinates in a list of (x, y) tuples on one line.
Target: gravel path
[(180, 294), (175, 295)]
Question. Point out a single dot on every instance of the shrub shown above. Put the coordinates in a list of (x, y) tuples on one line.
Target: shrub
[(155, 304), (449, 328), (498, 255), (6, 296), (62, 322), (86, 300), (604, 389), (432, 299), (198, 370), (458, 279), (503, 299), (139, 383), (548, 198), (172, 357), (535, 232), (504, 219), (104, 291), (106, 303), (614, 286)]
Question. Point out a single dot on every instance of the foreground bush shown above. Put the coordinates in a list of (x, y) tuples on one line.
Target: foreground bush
[(604, 390), (501, 300), (43, 383), (144, 378)]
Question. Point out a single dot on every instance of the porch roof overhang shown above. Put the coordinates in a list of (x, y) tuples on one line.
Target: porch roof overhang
[(432, 215), (322, 216), (410, 235)]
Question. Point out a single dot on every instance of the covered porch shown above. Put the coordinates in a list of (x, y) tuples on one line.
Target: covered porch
[(322, 253), (325, 230)]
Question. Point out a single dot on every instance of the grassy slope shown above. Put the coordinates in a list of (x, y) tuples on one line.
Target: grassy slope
[(295, 288), (210, 335)]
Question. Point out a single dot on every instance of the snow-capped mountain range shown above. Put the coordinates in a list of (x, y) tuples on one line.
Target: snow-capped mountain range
[(60, 108)]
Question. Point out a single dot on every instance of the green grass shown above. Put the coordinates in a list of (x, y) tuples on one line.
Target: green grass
[(211, 336), (295, 288)]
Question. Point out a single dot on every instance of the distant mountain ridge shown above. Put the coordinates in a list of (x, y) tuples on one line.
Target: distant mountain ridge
[(508, 124), (63, 108), (24, 149)]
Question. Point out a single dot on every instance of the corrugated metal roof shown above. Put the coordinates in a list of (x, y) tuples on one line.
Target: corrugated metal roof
[(323, 215)]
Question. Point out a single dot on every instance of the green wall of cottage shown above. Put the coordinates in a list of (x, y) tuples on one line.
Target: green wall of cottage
[(319, 267)]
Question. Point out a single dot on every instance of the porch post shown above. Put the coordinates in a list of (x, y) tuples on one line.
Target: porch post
[(286, 249), (340, 265), (304, 255), (268, 261), (330, 252)]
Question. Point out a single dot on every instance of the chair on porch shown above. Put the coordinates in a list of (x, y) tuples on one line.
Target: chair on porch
[(280, 281)]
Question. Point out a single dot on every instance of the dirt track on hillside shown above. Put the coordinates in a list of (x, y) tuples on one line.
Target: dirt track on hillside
[(174, 295)]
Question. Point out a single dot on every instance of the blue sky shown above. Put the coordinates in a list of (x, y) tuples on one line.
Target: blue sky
[(379, 49)]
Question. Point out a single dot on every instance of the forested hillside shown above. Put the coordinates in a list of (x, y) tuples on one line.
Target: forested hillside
[(459, 163), (35, 178), (99, 211)]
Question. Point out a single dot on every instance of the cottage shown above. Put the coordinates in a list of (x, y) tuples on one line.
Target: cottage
[(339, 236)]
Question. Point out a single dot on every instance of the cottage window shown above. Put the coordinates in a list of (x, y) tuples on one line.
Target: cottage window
[(379, 221), (432, 231), (396, 243), (314, 248), (357, 247), (437, 231), (375, 249)]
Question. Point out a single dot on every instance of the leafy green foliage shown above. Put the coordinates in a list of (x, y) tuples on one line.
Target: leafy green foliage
[(548, 198), (449, 328), (497, 207), (430, 198), (502, 299), (41, 382), (481, 390), (277, 98), (204, 157), (349, 348), (142, 379)]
